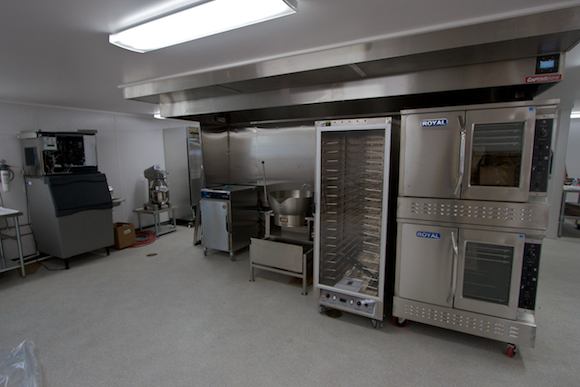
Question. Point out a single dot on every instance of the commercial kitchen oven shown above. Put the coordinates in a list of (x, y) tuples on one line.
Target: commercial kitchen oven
[(352, 199), (472, 213), (498, 152)]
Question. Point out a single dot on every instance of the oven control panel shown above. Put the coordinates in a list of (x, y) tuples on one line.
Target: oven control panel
[(541, 155), (529, 282), (350, 303)]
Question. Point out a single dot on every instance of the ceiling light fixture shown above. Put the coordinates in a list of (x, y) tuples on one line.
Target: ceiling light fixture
[(206, 19), (575, 115)]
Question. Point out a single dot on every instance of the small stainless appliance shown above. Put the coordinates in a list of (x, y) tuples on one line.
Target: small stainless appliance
[(158, 189), (352, 200), (229, 218), (472, 213)]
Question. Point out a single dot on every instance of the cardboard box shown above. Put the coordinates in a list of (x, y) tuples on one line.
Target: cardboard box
[(124, 235)]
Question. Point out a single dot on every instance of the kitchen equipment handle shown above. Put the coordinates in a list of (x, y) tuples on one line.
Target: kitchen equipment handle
[(454, 270), (461, 157), (227, 225)]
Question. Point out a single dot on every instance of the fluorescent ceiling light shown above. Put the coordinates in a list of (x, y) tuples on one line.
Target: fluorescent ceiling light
[(203, 20), (575, 115), (158, 116)]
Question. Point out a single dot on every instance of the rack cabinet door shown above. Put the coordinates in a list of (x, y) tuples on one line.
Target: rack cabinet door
[(215, 233), (489, 271), (425, 257)]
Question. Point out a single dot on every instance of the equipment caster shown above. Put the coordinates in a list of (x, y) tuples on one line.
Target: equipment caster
[(321, 308), (205, 251), (376, 323), (512, 349), (400, 322)]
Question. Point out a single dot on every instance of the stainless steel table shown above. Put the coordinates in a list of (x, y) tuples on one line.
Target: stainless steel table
[(160, 228), (6, 213), (563, 216)]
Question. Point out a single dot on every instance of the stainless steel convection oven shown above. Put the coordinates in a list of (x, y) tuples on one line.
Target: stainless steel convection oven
[(352, 229), (472, 213)]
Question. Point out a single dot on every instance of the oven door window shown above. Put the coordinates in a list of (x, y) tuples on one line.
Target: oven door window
[(497, 154), (488, 272)]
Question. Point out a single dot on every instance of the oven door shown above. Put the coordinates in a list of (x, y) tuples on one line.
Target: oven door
[(431, 159), (426, 261), (499, 154), (489, 272)]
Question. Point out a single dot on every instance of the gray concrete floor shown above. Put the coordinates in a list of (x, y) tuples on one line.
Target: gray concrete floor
[(180, 318)]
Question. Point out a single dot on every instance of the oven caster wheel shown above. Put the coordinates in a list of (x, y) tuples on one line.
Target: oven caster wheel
[(512, 349), (400, 322), (321, 308), (376, 323), (232, 258), (205, 251)]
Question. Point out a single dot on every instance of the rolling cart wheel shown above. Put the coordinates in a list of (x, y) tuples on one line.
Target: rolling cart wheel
[(400, 322), (321, 308), (512, 349), (376, 324), (205, 251)]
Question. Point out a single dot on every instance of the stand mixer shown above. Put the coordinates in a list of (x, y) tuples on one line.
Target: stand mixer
[(158, 189)]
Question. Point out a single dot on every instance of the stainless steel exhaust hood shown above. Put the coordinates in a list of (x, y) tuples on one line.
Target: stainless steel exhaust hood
[(487, 62)]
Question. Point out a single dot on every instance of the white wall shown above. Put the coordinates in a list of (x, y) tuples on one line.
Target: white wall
[(126, 146)]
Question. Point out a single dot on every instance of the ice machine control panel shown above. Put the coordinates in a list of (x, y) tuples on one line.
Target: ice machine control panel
[(350, 303), (529, 282), (541, 155)]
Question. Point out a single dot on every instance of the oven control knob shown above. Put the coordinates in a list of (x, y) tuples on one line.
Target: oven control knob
[(531, 256), (543, 133), (358, 303), (327, 295)]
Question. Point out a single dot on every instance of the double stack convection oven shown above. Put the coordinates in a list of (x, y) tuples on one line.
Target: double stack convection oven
[(472, 213), (354, 236)]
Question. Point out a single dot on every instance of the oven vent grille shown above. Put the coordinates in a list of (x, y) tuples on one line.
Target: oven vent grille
[(474, 212), (460, 321), (521, 215)]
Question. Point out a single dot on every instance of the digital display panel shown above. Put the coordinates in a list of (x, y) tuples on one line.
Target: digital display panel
[(547, 64)]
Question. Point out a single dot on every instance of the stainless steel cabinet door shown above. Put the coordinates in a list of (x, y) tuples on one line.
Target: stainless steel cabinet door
[(425, 258), (431, 147), (489, 272), (499, 154), (214, 225), (195, 169)]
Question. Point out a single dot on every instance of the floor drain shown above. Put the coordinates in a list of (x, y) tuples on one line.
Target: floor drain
[(333, 313), (152, 255)]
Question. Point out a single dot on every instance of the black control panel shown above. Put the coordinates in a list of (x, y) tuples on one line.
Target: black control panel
[(529, 282), (548, 64), (215, 195), (541, 155)]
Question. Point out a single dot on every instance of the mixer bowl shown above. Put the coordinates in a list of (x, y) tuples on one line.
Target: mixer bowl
[(290, 207)]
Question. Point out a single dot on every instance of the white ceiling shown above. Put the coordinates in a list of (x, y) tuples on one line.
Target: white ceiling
[(56, 52)]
